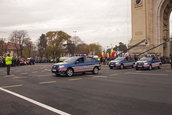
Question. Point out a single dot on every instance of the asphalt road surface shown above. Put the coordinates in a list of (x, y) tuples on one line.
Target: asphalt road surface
[(34, 90)]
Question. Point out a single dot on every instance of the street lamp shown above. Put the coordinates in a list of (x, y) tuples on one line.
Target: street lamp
[(74, 32)]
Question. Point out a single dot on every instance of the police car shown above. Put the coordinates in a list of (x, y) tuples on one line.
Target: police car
[(148, 63), (76, 64), (122, 62)]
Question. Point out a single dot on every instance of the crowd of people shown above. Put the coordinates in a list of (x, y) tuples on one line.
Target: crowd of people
[(17, 61)]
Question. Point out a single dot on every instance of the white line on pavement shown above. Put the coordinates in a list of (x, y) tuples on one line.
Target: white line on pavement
[(147, 74), (24, 73), (35, 102), (75, 79), (113, 75), (47, 82), (99, 77)]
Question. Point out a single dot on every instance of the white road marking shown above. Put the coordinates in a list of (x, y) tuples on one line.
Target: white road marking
[(11, 86), (147, 74), (47, 82), (24, 73), (9, 75), (19, 77), (113, 75), (47, 69), (42, 75), (75, 79), (35, 102), (99, 77)]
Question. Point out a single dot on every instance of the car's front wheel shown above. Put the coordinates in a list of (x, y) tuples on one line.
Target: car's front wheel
[(69, 72), (121, 66), (95, 70), (111, 67), (159, 67), (150, 67)]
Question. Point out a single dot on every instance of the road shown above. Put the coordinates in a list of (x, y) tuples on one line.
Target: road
[(34, 90)]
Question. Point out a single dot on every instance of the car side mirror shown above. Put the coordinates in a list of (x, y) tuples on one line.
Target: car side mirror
[(76, 62)]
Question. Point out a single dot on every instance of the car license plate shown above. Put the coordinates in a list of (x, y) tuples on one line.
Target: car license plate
[(111, 65), (54, 69), (139, 66)]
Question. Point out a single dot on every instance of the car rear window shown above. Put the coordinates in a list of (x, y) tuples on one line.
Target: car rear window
[(90, 60)]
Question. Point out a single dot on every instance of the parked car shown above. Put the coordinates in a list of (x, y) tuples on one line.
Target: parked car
[(1, 63), (76, 64), (122, 62), (30, 61), (148, 63)]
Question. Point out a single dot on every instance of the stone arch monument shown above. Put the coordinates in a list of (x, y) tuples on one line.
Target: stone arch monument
[(150, 22)]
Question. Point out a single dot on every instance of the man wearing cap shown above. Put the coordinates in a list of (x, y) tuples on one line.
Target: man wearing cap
[(8, 62)]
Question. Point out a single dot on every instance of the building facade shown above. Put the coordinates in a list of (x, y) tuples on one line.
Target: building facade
[(150, 22), (10, 48)]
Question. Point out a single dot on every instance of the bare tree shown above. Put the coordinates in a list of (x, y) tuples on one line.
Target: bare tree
[(73, 45), (19, 37), (2, 47), (76, 40), (29, 46), (42, 45)]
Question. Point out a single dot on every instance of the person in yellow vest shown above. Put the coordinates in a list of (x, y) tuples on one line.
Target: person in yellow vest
[(8, 62)]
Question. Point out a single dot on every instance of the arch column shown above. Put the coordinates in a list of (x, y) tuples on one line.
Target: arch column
[(150, 21)]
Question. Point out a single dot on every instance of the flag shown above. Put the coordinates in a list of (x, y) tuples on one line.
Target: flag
[(112, 53), (102, 54), (107, 55)]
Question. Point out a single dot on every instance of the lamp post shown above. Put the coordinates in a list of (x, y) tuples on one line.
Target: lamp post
[(74, 32)]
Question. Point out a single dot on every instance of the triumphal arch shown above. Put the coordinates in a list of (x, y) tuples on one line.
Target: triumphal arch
[(150, 27)]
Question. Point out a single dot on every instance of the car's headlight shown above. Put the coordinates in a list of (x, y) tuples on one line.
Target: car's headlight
[(146, 63), (117, 63), (61, 66)]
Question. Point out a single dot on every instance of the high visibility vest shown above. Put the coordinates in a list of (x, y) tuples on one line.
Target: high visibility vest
[(8, 60)]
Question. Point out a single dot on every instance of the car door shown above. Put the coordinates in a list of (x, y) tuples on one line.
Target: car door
[(126, 62), (80, 65), (156, 62), (90, 62)]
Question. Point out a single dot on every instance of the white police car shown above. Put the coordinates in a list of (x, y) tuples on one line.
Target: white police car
[(148, 63), (122, 62)]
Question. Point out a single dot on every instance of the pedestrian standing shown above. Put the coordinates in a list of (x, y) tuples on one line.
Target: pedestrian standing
[(8, 62)]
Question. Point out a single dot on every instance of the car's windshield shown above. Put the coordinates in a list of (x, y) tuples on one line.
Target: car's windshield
[(146, 59), (119, 59), (71, 59)]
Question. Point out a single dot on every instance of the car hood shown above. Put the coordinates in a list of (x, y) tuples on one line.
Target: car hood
[(114, 61), (141, 61), (62, 63)]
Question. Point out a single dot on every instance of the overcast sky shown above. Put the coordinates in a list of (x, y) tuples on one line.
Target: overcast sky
[(106, 22)]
